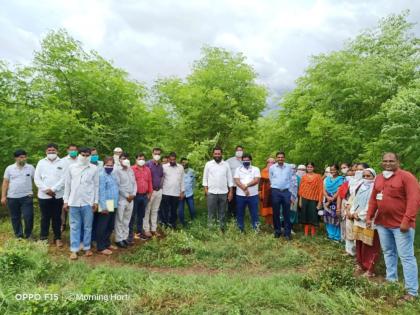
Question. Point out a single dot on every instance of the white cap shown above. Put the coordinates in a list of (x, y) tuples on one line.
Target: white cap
[(117, 149), (301, 167)]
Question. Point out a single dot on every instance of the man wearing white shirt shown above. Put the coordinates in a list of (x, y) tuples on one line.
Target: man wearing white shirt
[(234, 162), (127, 190), (49, 178), (247, 178), (172, 190), (69, 159), (217, 183), (81, 194)]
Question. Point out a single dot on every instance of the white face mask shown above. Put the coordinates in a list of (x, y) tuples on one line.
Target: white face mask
[(358, 175), (239, 154), (156, 157), (300, 172), (387, 174), (368, 181), (141, 162), (125, 162), (51, 156), (349, 178), (83, 160), (344, 170)]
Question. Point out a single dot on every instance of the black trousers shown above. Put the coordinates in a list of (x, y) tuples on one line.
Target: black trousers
[(103, 229), (232, 206), (19, 207), (169, 206), (51, 212)]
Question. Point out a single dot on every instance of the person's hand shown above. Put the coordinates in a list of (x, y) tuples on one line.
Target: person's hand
[(230, 196), (95, 207), (292, 202), (4, 201), (404, 227), (149, 196), (206, 191), (66, 207), (368, 223), (318, 206), (181, 195), (50, 192), (130, 198), (356, 217)]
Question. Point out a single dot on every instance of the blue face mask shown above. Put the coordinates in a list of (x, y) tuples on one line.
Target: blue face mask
[(94, 158), (246, 164), (108, 170)]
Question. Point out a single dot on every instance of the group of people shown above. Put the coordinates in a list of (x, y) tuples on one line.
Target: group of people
[(365, 210)]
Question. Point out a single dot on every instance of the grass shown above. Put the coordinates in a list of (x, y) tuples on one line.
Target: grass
[(197, 271)]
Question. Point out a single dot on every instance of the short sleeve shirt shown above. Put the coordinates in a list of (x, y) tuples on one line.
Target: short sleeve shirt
[(20, 180), (245, 176)]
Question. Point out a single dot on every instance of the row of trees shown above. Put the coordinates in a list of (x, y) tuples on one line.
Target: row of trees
[(349, 105)]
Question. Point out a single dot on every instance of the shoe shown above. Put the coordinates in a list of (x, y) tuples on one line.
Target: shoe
[(73, 256), (137, 236), (58, 243), (88, 253), (129, 242), (288, 238), (156, 233), (148, 234), (105, 252), (121, 244), (143, 237)]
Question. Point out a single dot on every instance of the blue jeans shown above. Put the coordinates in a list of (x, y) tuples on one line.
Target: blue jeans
[(281, 199), (137, 216), (191, 209), (252, 203), (21, 207), (396, 244), (80, 216)]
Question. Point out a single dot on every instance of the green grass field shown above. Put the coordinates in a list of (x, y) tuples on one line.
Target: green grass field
[(195, 271)]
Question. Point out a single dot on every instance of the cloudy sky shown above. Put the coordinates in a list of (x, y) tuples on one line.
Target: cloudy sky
[(159, 38)]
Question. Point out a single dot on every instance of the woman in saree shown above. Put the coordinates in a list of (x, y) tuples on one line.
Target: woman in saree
[(367, 241), (331, 213), (266, 210)]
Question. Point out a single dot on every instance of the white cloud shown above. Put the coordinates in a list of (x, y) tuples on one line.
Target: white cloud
[(152, 39)]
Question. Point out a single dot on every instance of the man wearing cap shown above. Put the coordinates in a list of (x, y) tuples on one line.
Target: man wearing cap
[(117, 153), (17, 194)]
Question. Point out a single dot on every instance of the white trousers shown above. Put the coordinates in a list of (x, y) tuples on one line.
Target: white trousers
[(151, 215), (122, 219)]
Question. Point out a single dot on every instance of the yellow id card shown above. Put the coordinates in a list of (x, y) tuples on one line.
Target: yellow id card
[(109, 206)]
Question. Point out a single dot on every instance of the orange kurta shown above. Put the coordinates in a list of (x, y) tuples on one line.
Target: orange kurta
[(265, 197)]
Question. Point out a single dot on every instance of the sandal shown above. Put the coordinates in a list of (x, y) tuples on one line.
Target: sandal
[(407, 298), (105, 252), (88, 253), (73, 256)]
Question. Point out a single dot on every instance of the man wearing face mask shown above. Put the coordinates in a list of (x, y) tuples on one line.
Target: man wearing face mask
[(234, 162), (189, 183), (49, 178), (127, 190), (68, 160), (17, 194), (173, 190), (152, 208), (217, 183), (394, 204), (247, 178), (81, 194), (94, 158), (144, 192)]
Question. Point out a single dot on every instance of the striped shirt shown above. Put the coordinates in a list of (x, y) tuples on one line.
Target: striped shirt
[(311, 187)]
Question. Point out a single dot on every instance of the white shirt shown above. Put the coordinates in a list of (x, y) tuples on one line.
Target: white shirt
[(20, 180), (173, 180), (81, 187), (50, 175), (67, 161), (234, 163), (217, 177), (246, 176), (126, 181)]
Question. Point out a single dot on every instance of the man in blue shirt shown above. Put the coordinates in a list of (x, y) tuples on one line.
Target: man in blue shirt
[(281, 177), (189, 183)]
